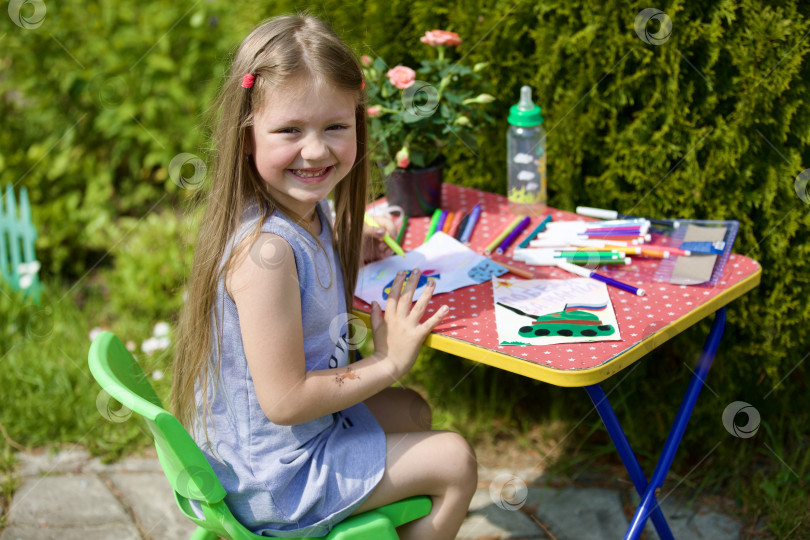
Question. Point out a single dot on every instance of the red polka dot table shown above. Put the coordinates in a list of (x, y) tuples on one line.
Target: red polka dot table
[(645, 322)]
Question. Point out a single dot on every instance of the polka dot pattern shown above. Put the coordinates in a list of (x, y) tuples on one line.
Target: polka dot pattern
[(472, 315)]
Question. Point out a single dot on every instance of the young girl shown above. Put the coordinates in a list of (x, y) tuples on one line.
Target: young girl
[(299, 437)]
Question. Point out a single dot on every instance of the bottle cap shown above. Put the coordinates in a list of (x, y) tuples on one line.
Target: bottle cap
[(525, 113)]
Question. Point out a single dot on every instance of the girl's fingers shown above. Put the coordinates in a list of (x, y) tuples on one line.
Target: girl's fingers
[(395, 293), (407, 294), (435, 319), (422, 303), (376, 316)]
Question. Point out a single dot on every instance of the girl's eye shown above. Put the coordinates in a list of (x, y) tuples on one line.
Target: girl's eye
[(337, 126), (288, 130)]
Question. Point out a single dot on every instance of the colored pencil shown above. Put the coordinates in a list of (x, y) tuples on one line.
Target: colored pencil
[(501, 235), (442, 219), (540, 228), (515, 270)]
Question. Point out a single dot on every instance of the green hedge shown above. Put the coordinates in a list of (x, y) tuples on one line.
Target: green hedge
[(713, 123)]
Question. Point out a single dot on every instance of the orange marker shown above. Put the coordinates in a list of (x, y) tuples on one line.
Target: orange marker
[(448, 222)]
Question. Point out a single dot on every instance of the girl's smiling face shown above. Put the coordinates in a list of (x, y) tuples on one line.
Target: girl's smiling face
[(304, 142)]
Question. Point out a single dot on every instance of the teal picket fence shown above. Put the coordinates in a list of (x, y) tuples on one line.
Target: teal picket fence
[(18, 262)]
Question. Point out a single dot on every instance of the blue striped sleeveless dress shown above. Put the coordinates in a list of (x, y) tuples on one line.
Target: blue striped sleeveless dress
[(291, 481)]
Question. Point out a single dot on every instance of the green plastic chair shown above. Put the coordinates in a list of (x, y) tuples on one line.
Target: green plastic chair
[(190, 474)]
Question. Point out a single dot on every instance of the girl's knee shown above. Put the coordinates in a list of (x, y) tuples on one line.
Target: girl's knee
[(419, 410), (462, 459)]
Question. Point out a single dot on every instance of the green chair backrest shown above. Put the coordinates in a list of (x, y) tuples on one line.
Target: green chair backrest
[(189, 472), (186, 468), (18, 263)]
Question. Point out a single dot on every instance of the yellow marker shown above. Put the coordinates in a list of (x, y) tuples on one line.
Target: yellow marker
[(386, 237), (503, 234)]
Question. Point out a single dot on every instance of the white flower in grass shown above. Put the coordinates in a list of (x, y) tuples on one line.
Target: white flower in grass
[(94, 332), (161, 329), (157, 374), (131, 346), (150, 345)]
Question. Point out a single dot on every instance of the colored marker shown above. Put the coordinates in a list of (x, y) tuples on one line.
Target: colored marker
[(401, 234), (540, 228), (461, 227), (442, 219), (587, 255), (386, 237), (501, 235), (514, 234), (471, 222), (434, 221), (613, 214), (448, 222), (456, 223), (584, 272)]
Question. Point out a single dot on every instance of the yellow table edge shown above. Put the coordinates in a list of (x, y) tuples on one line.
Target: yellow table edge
[(597, 374)]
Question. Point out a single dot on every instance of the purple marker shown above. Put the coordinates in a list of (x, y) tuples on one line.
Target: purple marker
[(514, 234)]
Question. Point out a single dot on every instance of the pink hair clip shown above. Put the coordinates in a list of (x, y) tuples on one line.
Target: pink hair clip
[(362, 84), (247, 80)]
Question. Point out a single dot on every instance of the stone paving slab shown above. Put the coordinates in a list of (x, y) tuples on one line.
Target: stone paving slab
[(65, 500), (487, 519), (88, 532), (71, 496), (687, 521), (150, 497), (579, 513)]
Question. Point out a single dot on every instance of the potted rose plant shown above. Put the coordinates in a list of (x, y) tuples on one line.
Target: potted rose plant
[(415, 115)]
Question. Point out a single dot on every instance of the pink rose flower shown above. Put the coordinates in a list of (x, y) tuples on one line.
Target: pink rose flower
[(441, 38), (403, 158), (401, 76), (374, 110), (366, 60)]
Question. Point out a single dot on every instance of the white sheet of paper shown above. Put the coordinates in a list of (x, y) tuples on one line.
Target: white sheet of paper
[(540, 297), (442, 258)]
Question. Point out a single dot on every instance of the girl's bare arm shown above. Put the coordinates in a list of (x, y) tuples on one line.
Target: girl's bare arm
[(265, 290)]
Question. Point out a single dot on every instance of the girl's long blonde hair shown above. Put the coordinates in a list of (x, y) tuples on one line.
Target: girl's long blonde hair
[(275, 52)]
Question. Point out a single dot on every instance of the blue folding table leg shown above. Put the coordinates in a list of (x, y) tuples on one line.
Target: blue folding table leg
[(649, 506), (626, 453), (679, 426)]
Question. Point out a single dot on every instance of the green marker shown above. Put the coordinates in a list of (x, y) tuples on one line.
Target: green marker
[(434, 221), (386, 237), (401, 233), (592, 255)]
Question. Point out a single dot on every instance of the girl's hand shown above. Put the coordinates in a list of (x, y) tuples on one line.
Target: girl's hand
[(398, 334), (373, 246)]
